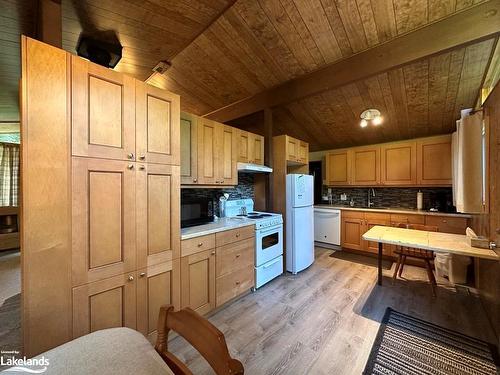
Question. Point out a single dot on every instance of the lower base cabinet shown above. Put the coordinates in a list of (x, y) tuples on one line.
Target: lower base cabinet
[(198, 281), (222, 268)]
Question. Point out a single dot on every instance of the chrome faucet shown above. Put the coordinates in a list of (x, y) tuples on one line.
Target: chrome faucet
[(371, 192)]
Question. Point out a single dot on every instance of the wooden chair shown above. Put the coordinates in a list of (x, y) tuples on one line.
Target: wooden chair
[(426, 255), (201, 334)]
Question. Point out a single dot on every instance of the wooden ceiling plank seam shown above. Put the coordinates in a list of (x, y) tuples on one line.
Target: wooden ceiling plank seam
[(337, 103), (283, 25), (291, 126), (230, 79), (337, 27), (313, 129), (356, 105), (351, 19), (303, 31), (249, 78), (439, 70), (416, 84), (410, 14), (368, 21), (473, 70), (240, 48), (385, 88), (456, 64), (373, 89), (397, 84), (486, 73), (385, 19), (257, 21), (246, 34), (440, 9), (314, 15)]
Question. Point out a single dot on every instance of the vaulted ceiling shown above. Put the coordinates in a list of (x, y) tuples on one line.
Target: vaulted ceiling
[(225, 51)]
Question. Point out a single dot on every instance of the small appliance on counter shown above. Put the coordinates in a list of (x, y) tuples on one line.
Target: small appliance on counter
[(196, 211), (268, 239)]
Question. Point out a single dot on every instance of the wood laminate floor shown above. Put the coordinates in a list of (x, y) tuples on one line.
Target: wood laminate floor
[(324, 320)]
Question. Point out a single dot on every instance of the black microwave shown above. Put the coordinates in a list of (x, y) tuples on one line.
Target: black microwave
[(196, 211)]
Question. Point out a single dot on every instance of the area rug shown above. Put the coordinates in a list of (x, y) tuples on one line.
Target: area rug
[(361, 259), (406, 345)]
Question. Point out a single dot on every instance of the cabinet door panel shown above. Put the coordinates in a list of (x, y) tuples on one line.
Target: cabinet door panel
[(399, 164), (157, 123), (207, 149), (103, 194), (103, 112), (156, 286), (226, 161), (198, 281), (256, 146), (292, 149), (338, 168), (104, 304), (434, 161), (189, 149), (158, 218), (352, 230), (244, 145), (372, 247), (366, 166)]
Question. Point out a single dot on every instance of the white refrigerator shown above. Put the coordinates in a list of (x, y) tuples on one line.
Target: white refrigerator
[(299, 222)]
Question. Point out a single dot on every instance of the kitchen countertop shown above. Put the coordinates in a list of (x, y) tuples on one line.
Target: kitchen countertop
[(404, 211), (219, 225)]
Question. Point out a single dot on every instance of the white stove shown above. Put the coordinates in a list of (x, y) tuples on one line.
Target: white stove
[(268, 238)]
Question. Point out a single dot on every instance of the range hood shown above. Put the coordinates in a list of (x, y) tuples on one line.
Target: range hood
[(253, 168)]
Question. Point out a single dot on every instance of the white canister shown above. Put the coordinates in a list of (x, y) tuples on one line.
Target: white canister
[(420, 200)]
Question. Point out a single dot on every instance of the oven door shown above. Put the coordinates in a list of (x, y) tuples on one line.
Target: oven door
[(269, 244)]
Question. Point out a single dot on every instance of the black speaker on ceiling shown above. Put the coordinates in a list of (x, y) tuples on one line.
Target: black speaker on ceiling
[(107, 54)]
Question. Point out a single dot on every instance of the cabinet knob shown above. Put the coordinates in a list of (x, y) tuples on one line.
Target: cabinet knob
[(445, 221), (130, 156), (237, 283), (142, 157), (142, 167), (200, 244), (238, 255), (237, 234), (195, 180), (130, 278), (142, 274), (130, 166), (221, 181), (213, 252)]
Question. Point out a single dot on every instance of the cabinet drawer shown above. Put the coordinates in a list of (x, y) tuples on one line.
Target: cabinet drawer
[(377, 216), (408, 219), (235, 256), (447, 224), (233, 284), (353, 214), (233, 235), (197, 244)]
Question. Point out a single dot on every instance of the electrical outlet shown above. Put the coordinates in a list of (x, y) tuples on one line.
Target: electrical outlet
[(343, 197)]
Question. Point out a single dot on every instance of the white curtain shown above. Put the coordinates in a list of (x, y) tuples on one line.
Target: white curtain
[(9, 174)]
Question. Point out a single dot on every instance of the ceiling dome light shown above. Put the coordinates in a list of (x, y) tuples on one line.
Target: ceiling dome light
[(372, 115), (377, 120)]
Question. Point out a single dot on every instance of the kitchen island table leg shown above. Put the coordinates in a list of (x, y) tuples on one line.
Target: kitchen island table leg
[(380, 263)]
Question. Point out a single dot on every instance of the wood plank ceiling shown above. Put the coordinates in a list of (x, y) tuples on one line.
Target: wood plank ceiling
[(224, 52)]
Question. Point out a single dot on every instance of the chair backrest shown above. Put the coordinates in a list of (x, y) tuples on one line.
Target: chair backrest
[(201, 334)]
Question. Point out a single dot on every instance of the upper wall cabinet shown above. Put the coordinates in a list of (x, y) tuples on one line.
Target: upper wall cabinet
[(103, 112), (303, 157), (399, 163), (338, 167), (366, 166), (207, 152), (117, 117), (189, 148), (250, 148), (434, 161), (421, 162), (157, 125)]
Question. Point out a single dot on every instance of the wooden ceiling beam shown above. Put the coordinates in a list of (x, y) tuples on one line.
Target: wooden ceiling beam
[(469, 26)]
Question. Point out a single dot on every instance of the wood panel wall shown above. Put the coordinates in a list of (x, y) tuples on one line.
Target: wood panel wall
[(487, 271)]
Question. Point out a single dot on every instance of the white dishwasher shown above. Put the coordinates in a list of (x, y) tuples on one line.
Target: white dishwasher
[(327, 226)]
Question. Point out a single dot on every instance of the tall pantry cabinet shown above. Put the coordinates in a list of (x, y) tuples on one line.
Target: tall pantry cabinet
[(100, 199)]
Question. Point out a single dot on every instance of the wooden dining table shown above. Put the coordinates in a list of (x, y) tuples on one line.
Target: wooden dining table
[(421, 239)]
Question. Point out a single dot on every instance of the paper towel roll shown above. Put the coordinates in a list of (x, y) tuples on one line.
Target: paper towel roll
[(420, 200)]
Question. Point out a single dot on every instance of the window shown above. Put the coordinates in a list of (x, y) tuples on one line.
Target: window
[(9, 174)]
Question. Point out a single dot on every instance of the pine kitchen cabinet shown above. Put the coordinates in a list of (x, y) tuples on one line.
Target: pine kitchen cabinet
[(338, 167), (303, 157), (399, 163), (365, 166), (355, 224), (115, 116), (434, 161), (189, 148), (250, 148)]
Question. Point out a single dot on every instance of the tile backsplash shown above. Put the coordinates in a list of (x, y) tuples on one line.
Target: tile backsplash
[(394, 197), (244, 189)]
